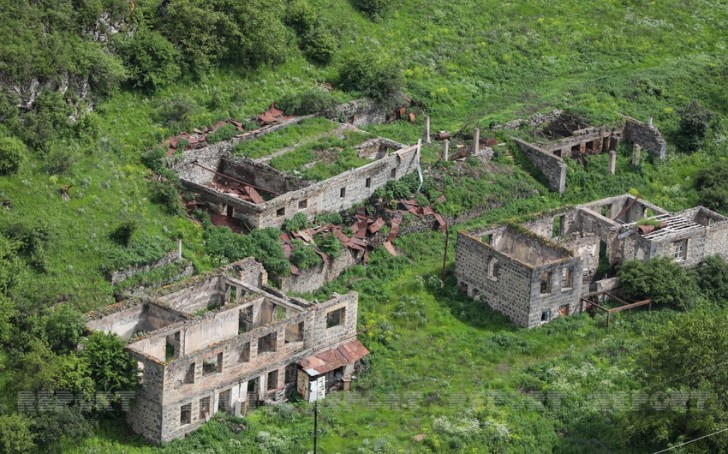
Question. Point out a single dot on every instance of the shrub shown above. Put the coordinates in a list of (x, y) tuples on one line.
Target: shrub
[(304, 256), (661, 279), (61, 422), (166, 195), (64, 329), (15, 434), (263, 244), (695, 120), (33, 240), (151, 60), (329, 218), (712, 278), (297, 222), (301, 17), (59, 159), (373, 74), (87, 127), (374, 9), (314, 100), (175, 112), (222, 134), (122, 234), (319, 45), (712, 186), (112, 367), (12, 152), (329, 245)]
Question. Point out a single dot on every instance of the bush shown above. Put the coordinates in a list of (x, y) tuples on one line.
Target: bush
[(296, 223), (712, 186), (304, 256), (48, 121), (112, 367), (33, 241), (374, 9), (319, 45), (301, 17), (312, 101), (12, 152), (712, 278), (166, 195), (123, 233), (263, 244), (59, 423), (661, 279), (87, 127), (175, 112), (373, 74), (151, 60), (695, 120), (222, 134), (59, 159), (329, 218), (64, 329), (329, 245), (15, 435)]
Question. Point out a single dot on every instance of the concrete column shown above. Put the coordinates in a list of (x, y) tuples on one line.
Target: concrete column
[(649, 121), (612, 162), (179, 248), (636, 151), (445, 150), (427, 129), (605, 144), (476, 141)]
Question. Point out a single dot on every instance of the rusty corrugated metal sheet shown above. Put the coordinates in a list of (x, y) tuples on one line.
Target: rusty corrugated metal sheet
[(254, 195), (376, 225), (329, 360), (441, 221), (390, 248)]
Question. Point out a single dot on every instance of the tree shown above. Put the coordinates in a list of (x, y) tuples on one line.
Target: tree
[(112, 368), (373, 74), (661, 279), (319, 45), (151, 60), (61, 422), (374, 9), (15, 435), (695, 120), (64, 329), (712, 185), (712, 277), (686, 356), (12, 152)]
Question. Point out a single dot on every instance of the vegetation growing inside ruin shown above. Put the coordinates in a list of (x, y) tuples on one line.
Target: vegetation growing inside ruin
[(464, 64)]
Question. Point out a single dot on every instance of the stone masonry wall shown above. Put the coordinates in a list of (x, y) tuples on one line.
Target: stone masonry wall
[(558, 295), (314, 278), (648, 137), (507, 291), (552, 167)]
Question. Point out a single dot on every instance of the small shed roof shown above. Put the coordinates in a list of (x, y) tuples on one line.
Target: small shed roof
[(348, 353)]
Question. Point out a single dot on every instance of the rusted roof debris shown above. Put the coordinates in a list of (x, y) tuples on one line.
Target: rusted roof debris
[(270, 116), (325, 362), (221, 220), (242, 191), (198, 137)]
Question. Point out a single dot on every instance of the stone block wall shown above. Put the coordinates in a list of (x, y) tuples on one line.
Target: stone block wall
[(506, 289), (544, 307), (552, 167), (646, 136), (312, 279)]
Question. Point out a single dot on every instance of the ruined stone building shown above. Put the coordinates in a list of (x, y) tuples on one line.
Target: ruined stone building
[(539, 270), (262, 196), (549, 157), (223, 341)]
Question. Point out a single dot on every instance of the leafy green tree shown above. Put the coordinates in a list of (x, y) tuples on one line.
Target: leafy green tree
[(712, 278), (661, 279), (15, 435), (48, 121), (61, 422), (12, 152), (33, 240), (319, 45), (112, 367), (695, 121), (301, 16), (373, 74), (152, 61), (712, 185), (686, 356), (64, 328)]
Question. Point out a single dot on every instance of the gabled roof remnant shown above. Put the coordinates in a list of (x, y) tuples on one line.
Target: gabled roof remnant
[(329, 360)]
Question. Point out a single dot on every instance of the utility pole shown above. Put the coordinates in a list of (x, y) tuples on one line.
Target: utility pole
[(315, 425)]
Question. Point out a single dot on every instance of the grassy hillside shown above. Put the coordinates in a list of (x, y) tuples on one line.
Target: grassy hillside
[(464, 63)]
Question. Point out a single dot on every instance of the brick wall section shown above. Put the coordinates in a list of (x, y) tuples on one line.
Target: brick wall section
[(552, 167), (648, 137)]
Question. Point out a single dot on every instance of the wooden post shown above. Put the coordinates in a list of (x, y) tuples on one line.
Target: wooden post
[(445, 150), (179, 248), (444, 256)]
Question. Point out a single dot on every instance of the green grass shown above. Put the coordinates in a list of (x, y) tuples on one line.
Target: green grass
[(283, 138)]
